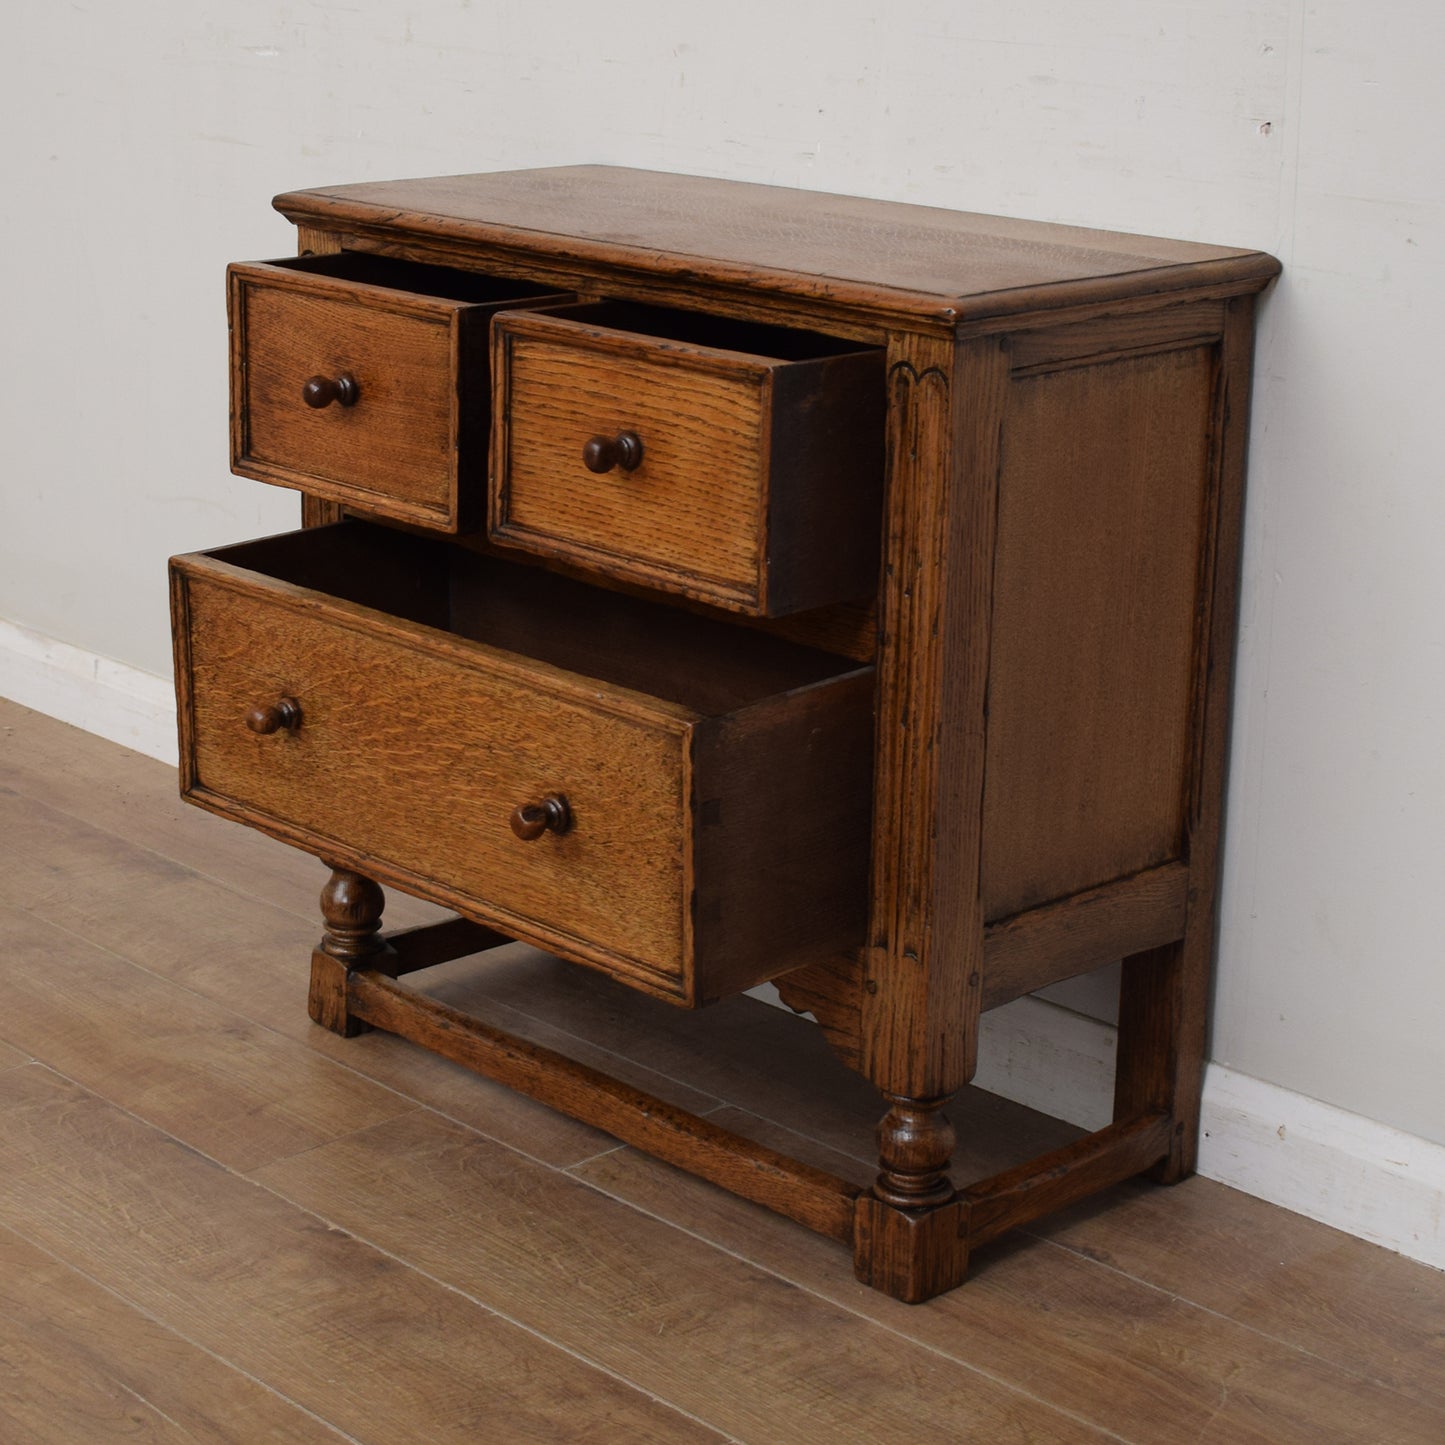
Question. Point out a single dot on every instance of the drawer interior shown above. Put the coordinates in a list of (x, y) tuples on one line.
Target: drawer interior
[(415, 276), (718, 333), (710, 667)]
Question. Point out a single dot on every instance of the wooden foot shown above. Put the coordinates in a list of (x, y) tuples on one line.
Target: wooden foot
[(351, 906), (911, 1254), (1162, 1017), (910, 1236)]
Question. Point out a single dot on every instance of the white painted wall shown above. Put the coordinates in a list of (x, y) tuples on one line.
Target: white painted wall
[(144, 142)]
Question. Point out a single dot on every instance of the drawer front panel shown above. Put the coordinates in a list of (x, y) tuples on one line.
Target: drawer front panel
[(689, 515), (393, 451), (418, 759)]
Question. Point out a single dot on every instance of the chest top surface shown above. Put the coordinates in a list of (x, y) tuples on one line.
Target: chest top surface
[(907, 261)]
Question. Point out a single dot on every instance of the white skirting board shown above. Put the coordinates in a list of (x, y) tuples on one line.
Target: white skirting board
[(1356, 1174), (112, 699), (1359, 1175)]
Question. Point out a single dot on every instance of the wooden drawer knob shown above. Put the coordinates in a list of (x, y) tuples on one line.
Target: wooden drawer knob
[(624, 450), (531, 820), (321, 391), (267, 718)]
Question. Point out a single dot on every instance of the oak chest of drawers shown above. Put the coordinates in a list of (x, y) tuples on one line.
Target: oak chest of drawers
[(711, 584)]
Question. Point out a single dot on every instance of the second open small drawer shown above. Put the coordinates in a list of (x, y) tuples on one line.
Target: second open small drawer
[(735, 463)]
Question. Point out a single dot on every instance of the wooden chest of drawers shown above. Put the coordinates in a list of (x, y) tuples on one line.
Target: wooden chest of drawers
[(711, 584)]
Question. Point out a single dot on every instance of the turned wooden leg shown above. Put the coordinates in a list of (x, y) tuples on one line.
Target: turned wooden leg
[(351, 906), (915, 1144), (910, 1237)]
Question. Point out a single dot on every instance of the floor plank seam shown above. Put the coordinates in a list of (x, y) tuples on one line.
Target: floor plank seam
[(350, 1234), (157, 1320), (868, 1320), (149, 1405), (249, 1174), (471, 1299), (620, 1145), (331, 1060), (186, 864), (423, 1106), (206, 998), (576, 1164), (1352, 1371)]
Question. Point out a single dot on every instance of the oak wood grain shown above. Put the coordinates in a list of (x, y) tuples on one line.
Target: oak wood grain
[(1164, 994), (417, 746), (395, 448), (691, 516), (758, 480), (1108, 335), (924, 966), (1086, 1166), (913, 262), (349, 1333), (1044, 945), (410, 342), (1095, 594)]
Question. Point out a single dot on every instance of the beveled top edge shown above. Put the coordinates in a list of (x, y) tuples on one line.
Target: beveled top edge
[(920, 262)]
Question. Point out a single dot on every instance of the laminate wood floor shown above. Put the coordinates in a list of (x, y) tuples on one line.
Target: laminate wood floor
[(218, 1222)]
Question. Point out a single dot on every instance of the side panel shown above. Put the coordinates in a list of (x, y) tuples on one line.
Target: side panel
[(1097, 596)]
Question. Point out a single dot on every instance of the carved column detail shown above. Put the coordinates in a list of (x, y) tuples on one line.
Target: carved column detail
[(915, 1144), (352, 906), (924, 958)]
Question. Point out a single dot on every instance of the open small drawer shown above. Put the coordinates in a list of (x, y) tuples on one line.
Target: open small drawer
[(736, 463), (364, 380), (678, 802)]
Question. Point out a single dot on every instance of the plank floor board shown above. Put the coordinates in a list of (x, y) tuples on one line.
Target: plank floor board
[(1327, 1292), (219, 1222), (137, 798), (236, 1091), (352, 1335), (650, 1303), (1130, 1357), (241, 953), (79, 1364)]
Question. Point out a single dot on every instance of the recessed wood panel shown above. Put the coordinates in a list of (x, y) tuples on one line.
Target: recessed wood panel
[(1096, 586)]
